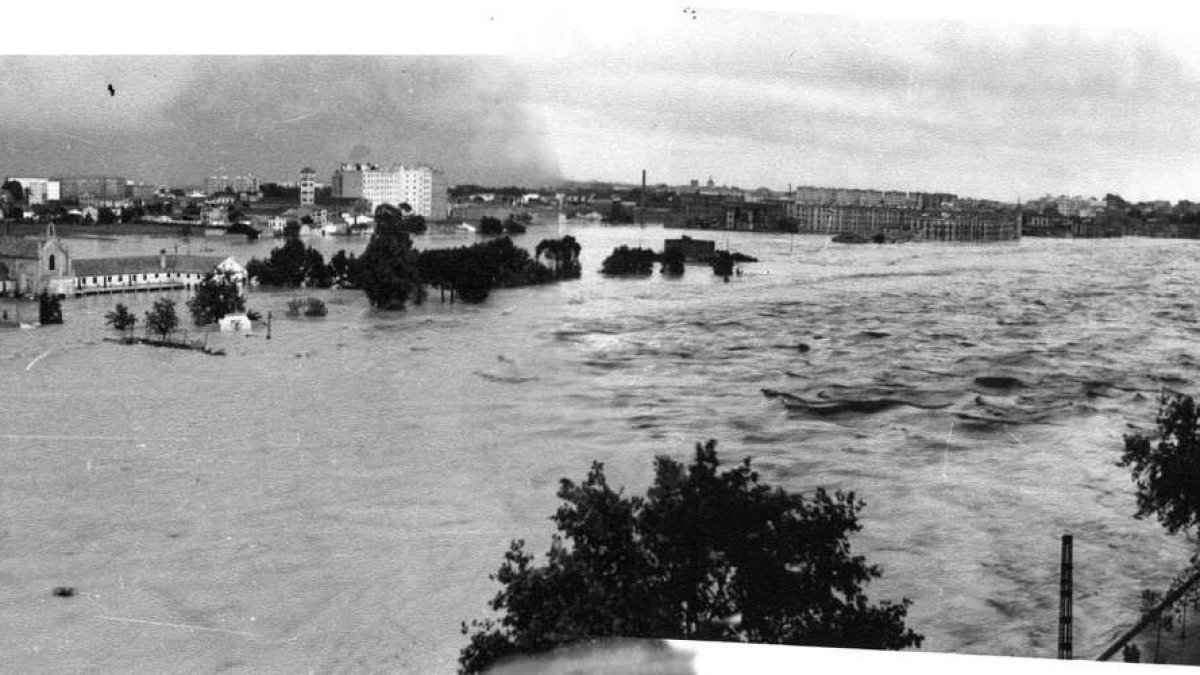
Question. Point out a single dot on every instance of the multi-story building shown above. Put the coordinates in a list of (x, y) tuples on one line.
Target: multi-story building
[(422, 187), (308, 186), (38, 190), (104, 189), (140, 191), (248, 184)]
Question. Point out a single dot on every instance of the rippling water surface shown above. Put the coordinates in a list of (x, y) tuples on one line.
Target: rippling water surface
[(334, 498)]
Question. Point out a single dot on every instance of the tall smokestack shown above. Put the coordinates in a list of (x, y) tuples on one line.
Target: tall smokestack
[(642, 206)]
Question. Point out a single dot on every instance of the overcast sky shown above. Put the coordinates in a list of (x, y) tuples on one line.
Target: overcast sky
[(751, 98)]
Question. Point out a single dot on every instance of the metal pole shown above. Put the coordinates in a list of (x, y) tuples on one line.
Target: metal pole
[(1064, 600), (268, 325), (1150, 617)]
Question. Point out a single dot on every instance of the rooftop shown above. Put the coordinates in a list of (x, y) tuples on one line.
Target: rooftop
[(145, 264), (19, 247)]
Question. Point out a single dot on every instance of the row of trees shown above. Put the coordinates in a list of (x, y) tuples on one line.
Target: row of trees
[(161, 320), (216, 296), (392, 273), (640, 261)]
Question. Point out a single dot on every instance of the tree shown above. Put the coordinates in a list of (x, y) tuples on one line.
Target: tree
[(673, 261), (105, 216), (162, 319), (625, 260), (387, 270), (216, 295), (339, 268), (15, 190), (490, 226), (49, 308), (722, 263), (1167, 473), (564, 253), (705, 555), (316, 272), (121, 318)]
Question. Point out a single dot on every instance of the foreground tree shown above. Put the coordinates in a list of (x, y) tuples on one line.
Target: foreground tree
[(216, 295), (1167, 471), (705, 555)]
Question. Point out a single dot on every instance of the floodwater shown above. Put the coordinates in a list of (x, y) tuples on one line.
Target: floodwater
[(334, 499)]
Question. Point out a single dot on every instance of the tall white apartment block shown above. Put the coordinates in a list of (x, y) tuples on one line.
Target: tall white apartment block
[(39, 190), (416, 186)]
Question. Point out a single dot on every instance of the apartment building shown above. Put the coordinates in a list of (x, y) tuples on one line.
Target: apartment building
[(423, 188), (38, 190), (247, 184), (102, 188)]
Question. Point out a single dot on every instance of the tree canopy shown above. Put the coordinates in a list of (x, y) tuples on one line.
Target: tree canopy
[(626, 260), (1167, 472), (564, 253), (387, 270), (216, 295), (162, 319), (121, 318), (705, 555)]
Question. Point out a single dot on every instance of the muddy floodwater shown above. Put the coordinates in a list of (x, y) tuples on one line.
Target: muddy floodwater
[(334, 499)]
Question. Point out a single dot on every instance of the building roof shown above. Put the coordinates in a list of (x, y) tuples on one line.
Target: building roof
[(144, 264), (19, 247)]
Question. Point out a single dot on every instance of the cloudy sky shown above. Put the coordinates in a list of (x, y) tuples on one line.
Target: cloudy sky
[(986, 107)]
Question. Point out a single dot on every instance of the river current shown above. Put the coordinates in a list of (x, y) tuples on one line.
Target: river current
[(334, 499)]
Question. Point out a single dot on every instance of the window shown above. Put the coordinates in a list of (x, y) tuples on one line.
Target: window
[(51, 262)]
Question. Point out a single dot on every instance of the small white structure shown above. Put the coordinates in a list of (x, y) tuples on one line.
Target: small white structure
[(235, 323)]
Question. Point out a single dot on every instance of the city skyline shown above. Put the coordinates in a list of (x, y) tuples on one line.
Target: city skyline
[(981, 109)]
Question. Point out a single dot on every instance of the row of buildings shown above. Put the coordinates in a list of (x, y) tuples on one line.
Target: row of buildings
[(29, 266), (423, 188), (949, 222), (99, 190)]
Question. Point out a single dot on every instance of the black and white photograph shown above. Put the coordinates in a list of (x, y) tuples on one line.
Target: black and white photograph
[(625, 338)]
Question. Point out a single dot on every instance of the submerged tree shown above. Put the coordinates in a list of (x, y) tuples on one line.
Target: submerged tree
[(673, 262), (625, 260), (705, 555), (387, 270), (121, 318), (49, 308), (162, 319), (216, 295), (564, 254)]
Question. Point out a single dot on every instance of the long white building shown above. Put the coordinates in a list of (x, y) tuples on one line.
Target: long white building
[(421, 187), (39, 190)]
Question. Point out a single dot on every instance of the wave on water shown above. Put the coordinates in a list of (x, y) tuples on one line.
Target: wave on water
[(505, 379)]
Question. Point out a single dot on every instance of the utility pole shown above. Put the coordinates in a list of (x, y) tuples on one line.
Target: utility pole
[(1064, 600)]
